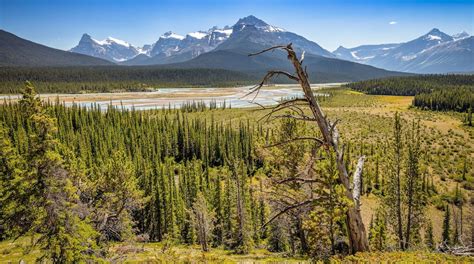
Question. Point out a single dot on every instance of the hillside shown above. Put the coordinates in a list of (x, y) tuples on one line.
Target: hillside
[(321, 69), (15, 51)]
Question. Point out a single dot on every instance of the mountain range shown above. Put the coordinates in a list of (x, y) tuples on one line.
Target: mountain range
[(228, 48), (434, 52), (173, 48)]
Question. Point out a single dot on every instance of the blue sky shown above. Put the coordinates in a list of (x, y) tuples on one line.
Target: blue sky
[(60, 24)]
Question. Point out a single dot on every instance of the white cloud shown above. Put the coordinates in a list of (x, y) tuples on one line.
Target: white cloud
[(392, 22)]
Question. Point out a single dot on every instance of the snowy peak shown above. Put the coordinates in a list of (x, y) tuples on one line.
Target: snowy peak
[(111, 49), (252, 20), (198, 34), (192, 45), (171, 35), (257, 23), (433, 52), (112, 41), (85, 38), (460, 35), (436, 35), (226, 30)]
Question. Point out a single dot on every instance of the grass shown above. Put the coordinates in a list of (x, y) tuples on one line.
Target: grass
[(14, 252), (11, 252), (154, 253), (402, 257)]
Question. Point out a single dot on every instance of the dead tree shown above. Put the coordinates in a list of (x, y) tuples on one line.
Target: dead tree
[(329, 141)]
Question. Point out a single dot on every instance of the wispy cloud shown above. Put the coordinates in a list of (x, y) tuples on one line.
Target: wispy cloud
[(392, 22)]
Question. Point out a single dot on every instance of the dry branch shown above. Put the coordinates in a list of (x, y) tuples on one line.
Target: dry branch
[(319, 141), (330, 138), (289, 208)]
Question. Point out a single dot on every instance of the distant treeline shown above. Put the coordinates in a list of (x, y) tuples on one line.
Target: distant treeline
[(114, 78), (434, 92)]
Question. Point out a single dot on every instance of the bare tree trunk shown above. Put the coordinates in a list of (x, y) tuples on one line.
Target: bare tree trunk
[(358, 181), (357, 237), (355, 226)]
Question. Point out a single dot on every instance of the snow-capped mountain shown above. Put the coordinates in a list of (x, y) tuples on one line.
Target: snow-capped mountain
[(431, 53), (363, 53), (172, 47), (111, 49), (257, 23), (251, 32), (451, 56), (460, 35), (434, 52), (167, 44)]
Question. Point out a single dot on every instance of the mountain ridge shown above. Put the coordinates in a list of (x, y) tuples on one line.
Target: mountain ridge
[(420, 55), (16, 51), (172, 47)]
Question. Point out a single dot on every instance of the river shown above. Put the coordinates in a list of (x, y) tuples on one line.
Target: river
[(174, 97)]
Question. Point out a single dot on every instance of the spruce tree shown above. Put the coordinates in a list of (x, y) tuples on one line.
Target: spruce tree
[(378, 232), (446, 235), (429, 239), (202, 218), (393, 198), (50, 212)]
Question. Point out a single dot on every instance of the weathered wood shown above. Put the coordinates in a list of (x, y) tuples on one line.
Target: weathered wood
[(356, 230), (357, 182)]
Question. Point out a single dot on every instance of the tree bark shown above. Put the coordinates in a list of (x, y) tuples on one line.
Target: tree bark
[(358, 181), (357, 236), (356, 230)]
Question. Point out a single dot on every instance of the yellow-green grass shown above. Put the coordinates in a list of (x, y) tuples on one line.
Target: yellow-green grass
[(11, 252), (126, 252), (402, 257), (14, 251)]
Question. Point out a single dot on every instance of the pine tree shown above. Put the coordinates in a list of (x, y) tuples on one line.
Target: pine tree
[(393, 197), (377, 176), (413, 186), (53, 210), (278, 238), (378, 232), (243, 238), (459, 202), (12, 173), (115, 197), (202, 218), (469, 116), (429, 239), (446, 235)]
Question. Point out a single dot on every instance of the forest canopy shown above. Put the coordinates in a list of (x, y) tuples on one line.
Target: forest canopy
[(114, 78), (434, 92)]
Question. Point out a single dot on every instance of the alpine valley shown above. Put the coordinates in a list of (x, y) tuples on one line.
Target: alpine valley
[(245, 143)]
